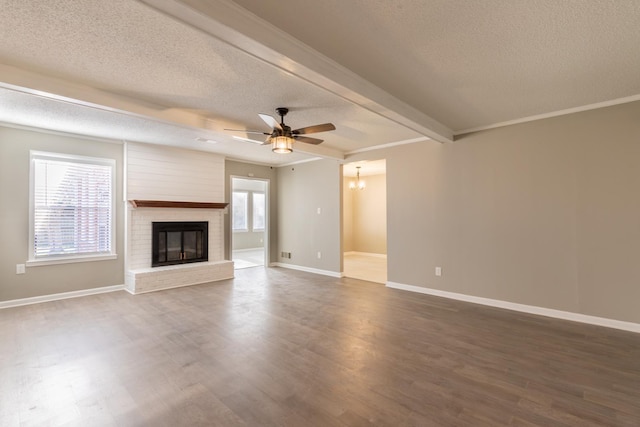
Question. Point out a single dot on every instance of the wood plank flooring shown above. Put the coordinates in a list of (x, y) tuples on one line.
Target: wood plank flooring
[(277, 347)]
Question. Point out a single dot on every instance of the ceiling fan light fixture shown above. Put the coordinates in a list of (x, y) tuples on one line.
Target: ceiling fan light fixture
[(282, 144)]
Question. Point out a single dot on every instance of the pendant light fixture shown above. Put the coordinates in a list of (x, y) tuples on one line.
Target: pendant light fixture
[(357, 184)]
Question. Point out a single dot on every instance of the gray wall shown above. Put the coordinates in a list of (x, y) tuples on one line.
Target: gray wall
[(347, 217), (239, 169), (545, 213), (14, 219), (302, 189)]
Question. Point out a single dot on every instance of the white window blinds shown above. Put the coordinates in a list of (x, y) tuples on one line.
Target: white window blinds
[(240, 205), (258, 206), (72, 205)]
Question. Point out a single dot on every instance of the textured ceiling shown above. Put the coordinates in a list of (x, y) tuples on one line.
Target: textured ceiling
[(475, 63), (143, 75), (125, 48)]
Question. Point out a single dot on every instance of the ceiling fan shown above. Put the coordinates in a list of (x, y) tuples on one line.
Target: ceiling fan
[(282, 137)]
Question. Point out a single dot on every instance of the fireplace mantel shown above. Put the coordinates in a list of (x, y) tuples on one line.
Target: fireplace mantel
[(171, 204)]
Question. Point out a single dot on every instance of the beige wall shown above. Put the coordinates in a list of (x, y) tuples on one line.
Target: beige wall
[(545, 213), (14, 219), (370, 216), (365, 216)]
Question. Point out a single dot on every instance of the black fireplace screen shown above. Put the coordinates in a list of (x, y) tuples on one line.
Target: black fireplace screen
[(179, 243)]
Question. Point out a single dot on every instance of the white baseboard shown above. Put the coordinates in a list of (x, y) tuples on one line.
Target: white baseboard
[(60, 296), (531, 309), (307, 269)]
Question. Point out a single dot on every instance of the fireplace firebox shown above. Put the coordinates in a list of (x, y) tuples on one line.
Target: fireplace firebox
[(179, 243)]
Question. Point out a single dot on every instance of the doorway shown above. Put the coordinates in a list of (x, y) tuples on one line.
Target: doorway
[(364, 209), (249, 222)]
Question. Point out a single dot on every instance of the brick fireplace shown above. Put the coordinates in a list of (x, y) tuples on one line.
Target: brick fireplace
[(157, 179), (142, 277)]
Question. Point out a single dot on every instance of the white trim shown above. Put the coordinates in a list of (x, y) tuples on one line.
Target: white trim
[(60, 296), (389, 145), (311, 159), (69, 260), (587, 107), (248, 249), (540, 311), (307, 269), (371, 254), (31, 83)]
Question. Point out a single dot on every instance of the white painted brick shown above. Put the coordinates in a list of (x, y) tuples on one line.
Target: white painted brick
[(186, 176)]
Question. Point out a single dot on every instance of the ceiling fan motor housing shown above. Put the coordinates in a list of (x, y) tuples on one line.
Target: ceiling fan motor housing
[(282, 111), (286, 130)]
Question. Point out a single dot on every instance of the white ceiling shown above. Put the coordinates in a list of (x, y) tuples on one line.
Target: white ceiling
[(172, 71)]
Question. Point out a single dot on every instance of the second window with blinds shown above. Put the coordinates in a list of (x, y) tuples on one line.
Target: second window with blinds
[(248, 211)]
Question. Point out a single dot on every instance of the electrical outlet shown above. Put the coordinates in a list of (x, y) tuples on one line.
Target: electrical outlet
[(438, 271), (319, 255), (319, 211), (20, 269)]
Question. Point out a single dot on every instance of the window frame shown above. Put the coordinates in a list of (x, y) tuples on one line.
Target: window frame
[(253, 211), (69, 258)]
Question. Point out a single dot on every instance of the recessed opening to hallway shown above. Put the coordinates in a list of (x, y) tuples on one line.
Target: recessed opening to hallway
[(364, 209)]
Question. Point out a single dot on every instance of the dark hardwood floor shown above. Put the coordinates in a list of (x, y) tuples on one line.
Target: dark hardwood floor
[(277, 347)]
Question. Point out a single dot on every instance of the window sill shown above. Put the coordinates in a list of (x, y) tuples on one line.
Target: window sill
[(69, 260)]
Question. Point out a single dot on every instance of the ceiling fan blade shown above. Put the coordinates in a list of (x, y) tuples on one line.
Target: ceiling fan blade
[(273, 123), (314, 141), (258, 132), (247, 139), (314, 129)]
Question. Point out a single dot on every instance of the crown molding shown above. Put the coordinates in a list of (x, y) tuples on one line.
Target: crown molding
[(558, 113)]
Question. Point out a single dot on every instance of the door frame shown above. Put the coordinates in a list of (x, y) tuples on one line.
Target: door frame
[(267, 219)]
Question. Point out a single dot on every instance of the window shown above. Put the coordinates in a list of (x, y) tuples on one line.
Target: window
[(240, 211), (248, 205), (72, 208), (258, 212)]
